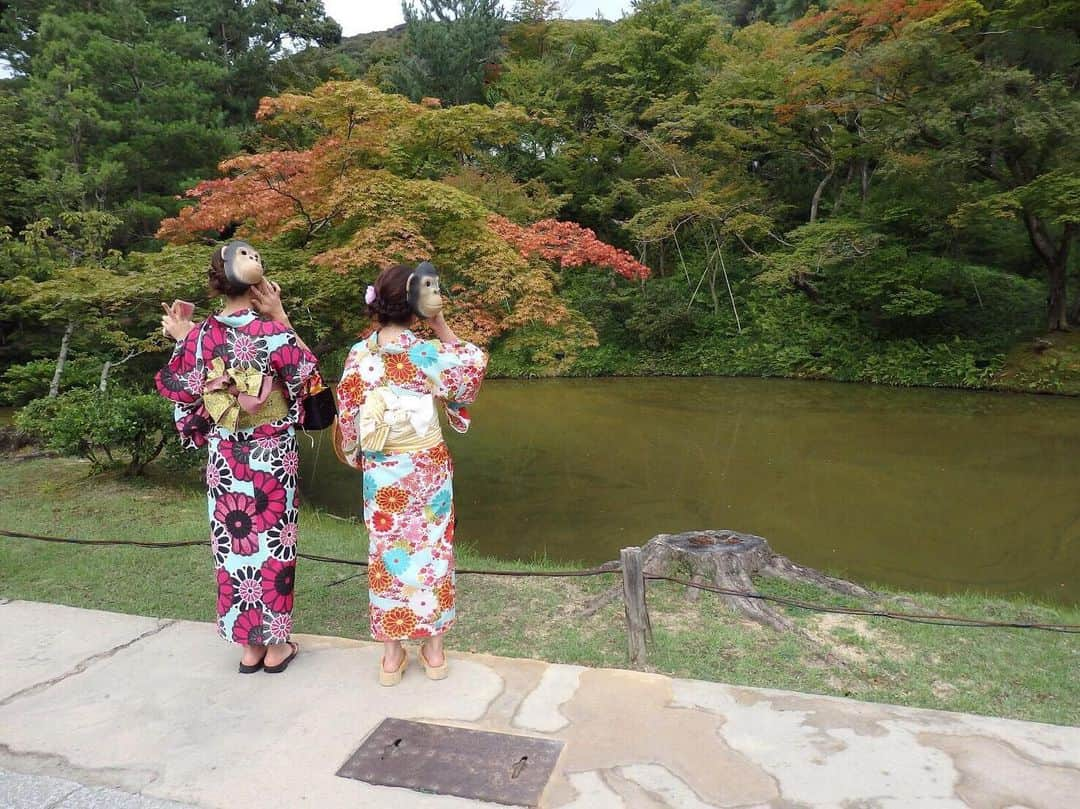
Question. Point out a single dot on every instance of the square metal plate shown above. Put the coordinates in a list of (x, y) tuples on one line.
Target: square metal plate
[(443, 760)]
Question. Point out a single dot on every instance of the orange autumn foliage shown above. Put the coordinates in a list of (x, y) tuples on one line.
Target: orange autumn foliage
[(568, 245), (358, 197), (269, 191), (859, 23), (844, 83)]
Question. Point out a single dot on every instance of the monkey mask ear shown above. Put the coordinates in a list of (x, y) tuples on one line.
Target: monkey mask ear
[(243, 264), (422, 290)]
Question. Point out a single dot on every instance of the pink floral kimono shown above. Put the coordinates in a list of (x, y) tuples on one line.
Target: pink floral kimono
[(252, 465), (390, 430)]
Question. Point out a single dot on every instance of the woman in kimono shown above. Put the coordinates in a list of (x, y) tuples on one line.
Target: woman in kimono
[(389, 428), (237, 381)]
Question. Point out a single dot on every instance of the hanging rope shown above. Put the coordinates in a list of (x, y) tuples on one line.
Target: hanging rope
[(610, 567), (602, 570), (915, 618)]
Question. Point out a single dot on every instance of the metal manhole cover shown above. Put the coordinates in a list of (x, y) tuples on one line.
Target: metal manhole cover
[(496, 767)]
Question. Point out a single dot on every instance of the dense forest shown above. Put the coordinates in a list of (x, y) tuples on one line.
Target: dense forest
[(867, 191)]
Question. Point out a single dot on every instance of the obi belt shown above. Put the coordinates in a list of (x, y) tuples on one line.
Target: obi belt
[(394, 420), (240, 399)]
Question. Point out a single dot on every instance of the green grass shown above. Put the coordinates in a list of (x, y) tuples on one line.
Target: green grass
[(1051, 367), (1010, 673)]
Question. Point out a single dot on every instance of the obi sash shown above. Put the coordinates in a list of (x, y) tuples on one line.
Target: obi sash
[(239, 399), (394, 420)]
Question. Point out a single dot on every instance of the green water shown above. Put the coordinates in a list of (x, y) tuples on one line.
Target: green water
[(922, 489)]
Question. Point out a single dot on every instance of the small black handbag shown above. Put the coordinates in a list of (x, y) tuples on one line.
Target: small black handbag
[(320, 410)]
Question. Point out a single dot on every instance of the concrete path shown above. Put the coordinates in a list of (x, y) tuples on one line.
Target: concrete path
[(21, 791), (106, 710)]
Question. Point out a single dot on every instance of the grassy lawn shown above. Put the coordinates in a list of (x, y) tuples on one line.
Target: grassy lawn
[(1055, 368), (1010, 673)]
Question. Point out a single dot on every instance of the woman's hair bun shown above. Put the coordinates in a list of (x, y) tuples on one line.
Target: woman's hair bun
[(391, 304), (389, 311)]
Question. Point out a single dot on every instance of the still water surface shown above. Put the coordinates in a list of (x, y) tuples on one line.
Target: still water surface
[(923, 489)]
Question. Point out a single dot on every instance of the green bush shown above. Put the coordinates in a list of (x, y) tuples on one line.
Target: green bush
[(604, 301), (660, 317), (897, 294), (113, 429), (23, 383), (177, 459)]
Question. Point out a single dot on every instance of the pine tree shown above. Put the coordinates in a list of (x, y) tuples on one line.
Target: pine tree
[(128, 99), (452, 45)]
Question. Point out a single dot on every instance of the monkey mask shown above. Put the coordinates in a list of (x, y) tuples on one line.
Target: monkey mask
[(243, 264), (422, 290)]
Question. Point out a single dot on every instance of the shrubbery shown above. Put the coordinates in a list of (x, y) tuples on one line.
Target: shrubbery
[(889, 317), (901, 295), (30, 380), (113, 429)]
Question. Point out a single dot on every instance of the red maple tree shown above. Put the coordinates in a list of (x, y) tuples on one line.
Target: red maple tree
[(568, 245), (357, 202)]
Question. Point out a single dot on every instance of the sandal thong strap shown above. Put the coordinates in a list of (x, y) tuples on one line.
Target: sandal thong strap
[(433, 672), (284, 664)]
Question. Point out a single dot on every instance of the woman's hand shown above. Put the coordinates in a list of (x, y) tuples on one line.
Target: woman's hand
[(266, 297), (174, 324), (442, 329)]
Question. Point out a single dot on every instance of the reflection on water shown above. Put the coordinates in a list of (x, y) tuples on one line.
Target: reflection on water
[(932, 490)]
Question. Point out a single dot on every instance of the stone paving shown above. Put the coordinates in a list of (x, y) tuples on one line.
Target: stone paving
[(21, 791), (100, 709)]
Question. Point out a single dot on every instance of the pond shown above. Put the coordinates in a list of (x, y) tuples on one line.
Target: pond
[(922, 489)]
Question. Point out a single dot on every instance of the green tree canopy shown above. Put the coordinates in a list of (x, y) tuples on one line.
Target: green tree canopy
[(452, 45), (126, 100)]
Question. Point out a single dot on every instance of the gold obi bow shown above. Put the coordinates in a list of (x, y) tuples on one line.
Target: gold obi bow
[(397, 422), (238, 398)]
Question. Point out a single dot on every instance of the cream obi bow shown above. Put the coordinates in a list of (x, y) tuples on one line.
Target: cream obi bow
[(232, 395), (397, 421)]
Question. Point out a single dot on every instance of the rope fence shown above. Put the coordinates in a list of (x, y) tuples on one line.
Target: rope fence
[(634, 581), (916, 618), (610, 567)]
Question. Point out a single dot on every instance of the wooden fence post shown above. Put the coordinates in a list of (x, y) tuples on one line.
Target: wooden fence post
[(637, 614)]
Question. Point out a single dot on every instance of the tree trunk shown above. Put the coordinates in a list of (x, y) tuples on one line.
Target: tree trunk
[(54, 387), (728, 560), (816, 202), (1056, 302), (843, 188), (865, 186), (104, 376), (1055, 255)]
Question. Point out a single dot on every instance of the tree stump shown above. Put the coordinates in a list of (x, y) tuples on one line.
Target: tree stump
[(728, 560)]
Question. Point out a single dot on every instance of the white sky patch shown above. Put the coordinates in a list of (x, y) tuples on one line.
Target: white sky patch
[(378, 15)]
